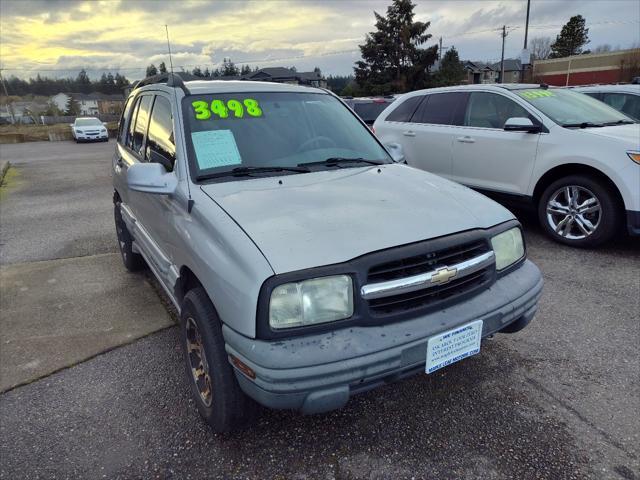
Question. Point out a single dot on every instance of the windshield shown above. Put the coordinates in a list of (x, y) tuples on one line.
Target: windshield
[(87, 122), (574, 109), (274, 129)]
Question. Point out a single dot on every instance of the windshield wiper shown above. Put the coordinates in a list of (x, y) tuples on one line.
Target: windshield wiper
[(338, 160), (583, 125), (619, 122), (246, 171)]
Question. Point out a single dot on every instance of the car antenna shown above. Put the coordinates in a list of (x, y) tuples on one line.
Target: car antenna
[(171, 81)]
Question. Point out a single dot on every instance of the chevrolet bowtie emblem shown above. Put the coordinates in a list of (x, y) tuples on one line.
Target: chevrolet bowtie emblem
[(443, 275)]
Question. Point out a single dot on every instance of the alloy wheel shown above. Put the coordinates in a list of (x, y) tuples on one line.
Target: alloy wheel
[(198, 361), (574, 212)]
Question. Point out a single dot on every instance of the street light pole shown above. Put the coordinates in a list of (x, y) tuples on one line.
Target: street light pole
[(504, 34), (526, 34)]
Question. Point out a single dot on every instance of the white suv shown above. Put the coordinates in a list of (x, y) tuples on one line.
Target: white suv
[(574, 158), (625, 98)]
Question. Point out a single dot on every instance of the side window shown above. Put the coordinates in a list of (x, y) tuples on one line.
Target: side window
[(490, 110), (132, 122), (125, 115), (405, 110), (160, 138), (441, 109), (140, 127), (628, 104)]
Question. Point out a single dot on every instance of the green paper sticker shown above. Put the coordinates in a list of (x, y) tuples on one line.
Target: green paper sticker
[(533, 94), (215, 148), (234, 108)]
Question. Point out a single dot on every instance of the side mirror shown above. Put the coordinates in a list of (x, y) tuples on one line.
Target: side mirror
[(154, 156), (396, 151), (104, 124), (151, 178), (71, 124), (520, 124)]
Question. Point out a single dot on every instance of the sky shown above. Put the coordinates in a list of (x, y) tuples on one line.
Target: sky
[(58, 37)]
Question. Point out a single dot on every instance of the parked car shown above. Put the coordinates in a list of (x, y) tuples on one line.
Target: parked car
[(89, 129), (306, 264), (574, 158), (624, 98), (368, 108)]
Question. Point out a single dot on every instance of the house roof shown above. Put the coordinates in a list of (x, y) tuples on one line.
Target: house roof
[(510, 64)]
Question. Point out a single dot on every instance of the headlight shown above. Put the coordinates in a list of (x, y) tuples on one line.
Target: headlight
[(508, 247), (309, 302), (635, 156)]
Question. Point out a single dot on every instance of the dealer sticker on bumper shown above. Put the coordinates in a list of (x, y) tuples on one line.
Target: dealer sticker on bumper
[(452, 346)]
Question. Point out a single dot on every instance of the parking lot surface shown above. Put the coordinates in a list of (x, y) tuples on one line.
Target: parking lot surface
[(558, 400)]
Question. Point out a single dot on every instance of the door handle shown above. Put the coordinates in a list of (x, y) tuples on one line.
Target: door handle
[(466, 139), (409, 133)]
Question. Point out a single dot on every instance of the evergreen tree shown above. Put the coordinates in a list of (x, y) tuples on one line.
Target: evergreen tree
[(573, 36), (162, 68), (229, 68), (392, 60), (73, 107), (121, 82), (151, 70), (451, 71), (83, 82), (206, 73), (197, 72), (245, 70)]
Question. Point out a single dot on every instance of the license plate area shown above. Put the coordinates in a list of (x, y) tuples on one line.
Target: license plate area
[(454, 345)]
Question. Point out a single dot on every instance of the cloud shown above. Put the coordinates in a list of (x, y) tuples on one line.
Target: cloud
[(61, 34)]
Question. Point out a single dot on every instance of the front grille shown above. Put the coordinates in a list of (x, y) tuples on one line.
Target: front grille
[(429, 261)]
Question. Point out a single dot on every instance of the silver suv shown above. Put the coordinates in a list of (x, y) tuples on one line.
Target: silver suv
[(306, 263)]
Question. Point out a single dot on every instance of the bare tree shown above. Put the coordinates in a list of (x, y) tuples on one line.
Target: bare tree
[(602, 48), (540, 48)]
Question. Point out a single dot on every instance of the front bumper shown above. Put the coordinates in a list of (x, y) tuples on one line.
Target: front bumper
[(318, 373), (633, 222), (92, 138)]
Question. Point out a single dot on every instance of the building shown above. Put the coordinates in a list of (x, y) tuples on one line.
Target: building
[(480, 72), (512, 70), (91, 104), (610, 67)]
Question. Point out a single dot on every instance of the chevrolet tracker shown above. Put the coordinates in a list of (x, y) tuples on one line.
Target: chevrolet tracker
[(307, 261)]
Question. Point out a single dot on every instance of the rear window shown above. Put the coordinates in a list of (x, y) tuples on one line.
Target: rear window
[(369, 111), (405, 110)]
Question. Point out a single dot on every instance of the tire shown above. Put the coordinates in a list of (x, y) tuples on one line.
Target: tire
[(220, 401), (593, 218), (132, 261)]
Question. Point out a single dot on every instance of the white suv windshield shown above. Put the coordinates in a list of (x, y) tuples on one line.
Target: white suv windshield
[(88, 122), (572, 109), (274, 129)]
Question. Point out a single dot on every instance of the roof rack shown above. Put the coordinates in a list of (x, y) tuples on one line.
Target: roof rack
[(171, 79)]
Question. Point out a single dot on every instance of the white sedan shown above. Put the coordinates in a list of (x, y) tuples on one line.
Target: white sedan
[(89, 129)]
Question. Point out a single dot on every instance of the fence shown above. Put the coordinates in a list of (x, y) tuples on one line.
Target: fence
[(104, 117)]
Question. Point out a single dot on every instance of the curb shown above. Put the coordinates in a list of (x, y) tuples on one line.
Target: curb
[(4, 166)]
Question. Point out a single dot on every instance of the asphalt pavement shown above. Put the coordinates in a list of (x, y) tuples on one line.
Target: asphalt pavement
[(558, 400)]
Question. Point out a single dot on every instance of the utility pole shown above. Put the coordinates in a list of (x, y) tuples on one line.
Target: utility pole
[(504, 35), (526, 34), (440, 50)]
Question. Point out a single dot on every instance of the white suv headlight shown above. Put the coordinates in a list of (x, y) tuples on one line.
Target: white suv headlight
[(508, 247), (318, 300)]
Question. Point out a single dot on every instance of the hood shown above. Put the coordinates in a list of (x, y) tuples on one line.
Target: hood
[(328, 217), (629, 134)]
